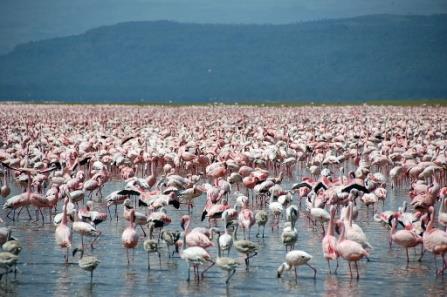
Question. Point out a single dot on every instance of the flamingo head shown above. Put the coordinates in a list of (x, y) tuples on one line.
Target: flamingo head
[(184, 220)]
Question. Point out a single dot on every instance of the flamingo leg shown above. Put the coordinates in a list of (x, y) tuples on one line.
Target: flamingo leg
[(212, 264), (422, 253), (29, 214), (43, 218), (110, 214), (296, 275), (329, 266), (143, 230), (95, 239), (189, 273), (230, 275), (315, 270), (148, 262), (350, 271), (66, 257), (168, 249), (357, 269)]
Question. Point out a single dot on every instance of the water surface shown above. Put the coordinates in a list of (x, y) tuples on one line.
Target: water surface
[(44, 274)]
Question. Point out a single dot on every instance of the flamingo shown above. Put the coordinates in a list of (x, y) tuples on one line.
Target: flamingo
[(349, 250), (226, 240), (261, 219), (7, 260), (405, 238), (276, 209), (5, 190), (194, 237), (170, 238), (151, 246), (435, 240), (246, 247), (246, 220), (442, 215), (195, 256), (225, 263), (129, 237), (294, 259), (353, 231), (63, 232), (140, 218), (329, 242), (289, 235), (88, 263)]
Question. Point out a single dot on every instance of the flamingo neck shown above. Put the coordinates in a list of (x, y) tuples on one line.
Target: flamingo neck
[(442, 207), (64, 215), (330, 228), (393, 226), (430, 222), (218, 245), (28, 187), (342, 233), (350, 214)]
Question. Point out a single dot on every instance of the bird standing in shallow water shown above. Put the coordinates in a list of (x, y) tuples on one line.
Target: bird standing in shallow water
[(150, 245), (130, 236), (245, 247), (226, 263), (261, 218), (63, 232), (329, 242), (88, 263), (349, 250), (294, 259)]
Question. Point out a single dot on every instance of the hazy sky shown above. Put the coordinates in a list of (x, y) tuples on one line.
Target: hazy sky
[(26, 20)]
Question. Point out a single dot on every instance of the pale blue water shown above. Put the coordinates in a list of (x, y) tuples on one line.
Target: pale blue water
[(44, 274)]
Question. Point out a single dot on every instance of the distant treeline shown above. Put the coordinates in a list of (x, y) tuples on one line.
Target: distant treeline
[(347, 60)]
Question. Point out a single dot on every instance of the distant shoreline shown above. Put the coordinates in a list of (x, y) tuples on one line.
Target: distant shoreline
[(388, 102)]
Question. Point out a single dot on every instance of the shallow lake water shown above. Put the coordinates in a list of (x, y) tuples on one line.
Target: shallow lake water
[(43, 273)]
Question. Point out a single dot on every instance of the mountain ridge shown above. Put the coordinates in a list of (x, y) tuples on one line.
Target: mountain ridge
[(354, 59)]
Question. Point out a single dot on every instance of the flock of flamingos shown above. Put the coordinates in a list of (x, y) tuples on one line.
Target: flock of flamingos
[(235, 159)]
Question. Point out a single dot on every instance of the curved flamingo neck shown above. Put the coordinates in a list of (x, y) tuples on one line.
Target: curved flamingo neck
[(350, 213), (431, 222), (393, 226), (132, 219), (64, 215), (187, 225), (342, 233), (442, 207), (28, 187), (330, 228), (218, 245)]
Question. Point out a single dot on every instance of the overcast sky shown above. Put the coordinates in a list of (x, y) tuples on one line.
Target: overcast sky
[(26, 20)]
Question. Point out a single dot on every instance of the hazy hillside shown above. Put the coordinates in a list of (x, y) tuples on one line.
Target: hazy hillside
[(351, 59)]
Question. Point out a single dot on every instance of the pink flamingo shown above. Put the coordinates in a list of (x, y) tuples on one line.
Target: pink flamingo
[(435, 240), (246, 220), (130, 236), (329, 242), (195, 256), (405, 238), (63, 232), (93, 184), (194, 237), (349, 250)]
